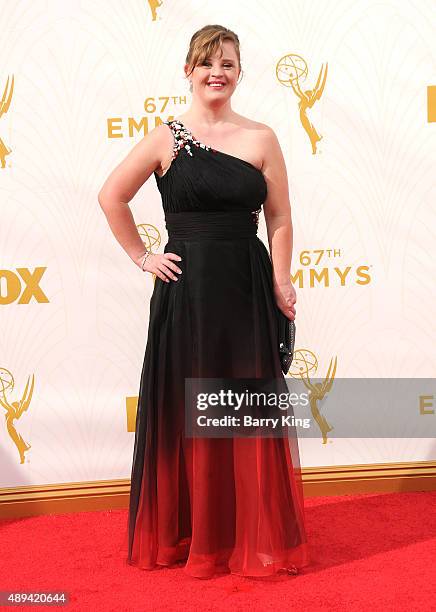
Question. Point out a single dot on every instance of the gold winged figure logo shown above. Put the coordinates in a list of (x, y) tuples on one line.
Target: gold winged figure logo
[(304, 361), (5, 103), (15, 409), (292, 71)]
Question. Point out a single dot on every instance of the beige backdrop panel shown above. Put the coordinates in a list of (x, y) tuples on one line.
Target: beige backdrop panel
[(84, 75)]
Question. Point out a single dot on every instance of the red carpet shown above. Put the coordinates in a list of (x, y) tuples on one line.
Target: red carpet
[(369, 552)]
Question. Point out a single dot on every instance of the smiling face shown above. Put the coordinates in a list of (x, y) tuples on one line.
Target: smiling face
[(216, 76)]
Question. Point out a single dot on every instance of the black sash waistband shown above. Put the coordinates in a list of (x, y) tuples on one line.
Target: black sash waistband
[(211, 225)]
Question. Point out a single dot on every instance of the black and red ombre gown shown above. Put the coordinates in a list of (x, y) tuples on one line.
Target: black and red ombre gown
[(220, 504)]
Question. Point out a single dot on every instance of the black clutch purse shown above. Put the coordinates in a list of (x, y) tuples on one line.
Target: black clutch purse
[(286, 340)]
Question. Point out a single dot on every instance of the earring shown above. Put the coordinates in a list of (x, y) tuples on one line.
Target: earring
[(190, 86)]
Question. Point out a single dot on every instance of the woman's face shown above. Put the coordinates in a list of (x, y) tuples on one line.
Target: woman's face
[(222, 69)]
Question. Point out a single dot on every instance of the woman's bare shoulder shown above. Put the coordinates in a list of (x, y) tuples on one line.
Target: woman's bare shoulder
[(262, 137), (162, 140), (257, 126)]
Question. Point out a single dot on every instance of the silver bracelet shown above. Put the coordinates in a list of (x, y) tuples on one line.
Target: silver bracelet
[(144, 259)]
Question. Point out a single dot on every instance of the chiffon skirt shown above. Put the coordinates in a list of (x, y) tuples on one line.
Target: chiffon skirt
[(218, 505)]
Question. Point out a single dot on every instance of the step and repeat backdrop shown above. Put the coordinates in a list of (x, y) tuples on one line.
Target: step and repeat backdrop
[(349, 87)]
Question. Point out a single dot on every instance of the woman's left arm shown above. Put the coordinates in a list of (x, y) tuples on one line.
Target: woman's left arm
[(277, 210)]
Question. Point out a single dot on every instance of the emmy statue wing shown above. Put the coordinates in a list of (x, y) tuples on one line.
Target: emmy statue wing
[(27, 396), (5, 102), (320, 88)]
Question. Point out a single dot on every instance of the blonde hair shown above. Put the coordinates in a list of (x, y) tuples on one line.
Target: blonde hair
[(205, 42)]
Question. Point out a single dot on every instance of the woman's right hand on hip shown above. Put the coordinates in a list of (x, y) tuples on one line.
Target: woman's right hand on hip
[(161, 264)]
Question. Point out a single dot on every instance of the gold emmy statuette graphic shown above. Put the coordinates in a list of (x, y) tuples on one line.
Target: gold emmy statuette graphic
[(291, 71), (14, 410), (5, 103), (131, 411), (431, 103), (151, 238), (303, 362), (154, 4)]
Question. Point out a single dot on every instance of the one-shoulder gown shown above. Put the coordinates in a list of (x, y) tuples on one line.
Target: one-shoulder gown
[(213, 505)]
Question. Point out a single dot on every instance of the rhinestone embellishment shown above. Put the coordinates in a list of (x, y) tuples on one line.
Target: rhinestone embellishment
[(256, 214), (183, 139)]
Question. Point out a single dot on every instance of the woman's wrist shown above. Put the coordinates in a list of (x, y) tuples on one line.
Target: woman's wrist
[(139, 259), (278, 281)]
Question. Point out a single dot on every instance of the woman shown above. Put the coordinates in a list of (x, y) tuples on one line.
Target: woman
[(215, 504)]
